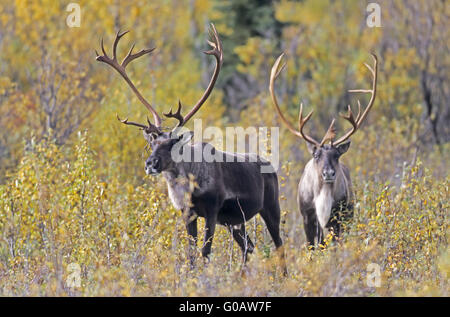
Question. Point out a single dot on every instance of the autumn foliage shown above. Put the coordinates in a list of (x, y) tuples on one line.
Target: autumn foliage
[(72, 182)]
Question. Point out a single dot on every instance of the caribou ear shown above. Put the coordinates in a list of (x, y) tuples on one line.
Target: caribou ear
[(149, 137), (343, 147), (311, 148), (184, 138)]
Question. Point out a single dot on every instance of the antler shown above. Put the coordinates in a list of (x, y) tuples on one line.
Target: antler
[(330, 135), (331, 132), (177, 115), (276, 70), (217, 52), (120, 68), (356, 122), (143, 126)]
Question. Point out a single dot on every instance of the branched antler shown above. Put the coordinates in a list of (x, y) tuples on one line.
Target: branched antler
[(356, 122), (125, 121), (216, 51), (276, 70), (120, 68), (177, 115), (330, 135), (331, 132)]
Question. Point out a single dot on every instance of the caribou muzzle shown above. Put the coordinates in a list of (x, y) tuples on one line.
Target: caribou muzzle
[(153, 166), (328, 175)]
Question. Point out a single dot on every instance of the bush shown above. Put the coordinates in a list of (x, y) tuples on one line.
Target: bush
[(127, 239)]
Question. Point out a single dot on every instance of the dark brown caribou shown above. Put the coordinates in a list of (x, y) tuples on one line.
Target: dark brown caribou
[(229, 190), (325, 196)]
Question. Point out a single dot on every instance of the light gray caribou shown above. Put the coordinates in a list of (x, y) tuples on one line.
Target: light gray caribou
[(325, 197), (229, 190)]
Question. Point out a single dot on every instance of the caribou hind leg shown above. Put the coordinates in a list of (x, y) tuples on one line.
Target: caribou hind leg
[(271, 216), (271, 209), (273, 225)]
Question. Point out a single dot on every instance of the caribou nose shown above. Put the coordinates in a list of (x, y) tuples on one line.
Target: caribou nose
[(328, 174), (152, 164)]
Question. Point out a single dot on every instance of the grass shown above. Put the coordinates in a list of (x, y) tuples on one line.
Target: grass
[(61, 219)]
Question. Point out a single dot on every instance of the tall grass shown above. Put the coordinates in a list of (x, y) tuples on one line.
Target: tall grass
[(127, 240)]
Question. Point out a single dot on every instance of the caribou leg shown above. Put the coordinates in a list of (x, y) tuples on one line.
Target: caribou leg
[(335, 225), (342, 213), (271, 217), (320, 235), (191, 228), (310, 225), (243, 240), (210, 227), (273, 225)]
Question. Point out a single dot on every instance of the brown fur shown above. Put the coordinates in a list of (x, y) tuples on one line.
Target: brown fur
[(229, 192)]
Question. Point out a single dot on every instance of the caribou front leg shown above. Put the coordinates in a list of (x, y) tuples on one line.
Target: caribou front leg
[(210, 227), (191, 228)]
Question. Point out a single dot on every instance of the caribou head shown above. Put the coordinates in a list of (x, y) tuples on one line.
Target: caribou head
[(326, 156), (326, 160)]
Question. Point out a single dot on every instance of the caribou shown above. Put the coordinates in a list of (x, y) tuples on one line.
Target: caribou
[(325, 196), (227, 191)]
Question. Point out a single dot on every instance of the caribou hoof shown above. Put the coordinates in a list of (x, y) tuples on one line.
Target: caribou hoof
[(206, 260)]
